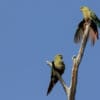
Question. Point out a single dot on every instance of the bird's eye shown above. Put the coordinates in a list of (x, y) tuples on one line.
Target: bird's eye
[(61, 57)]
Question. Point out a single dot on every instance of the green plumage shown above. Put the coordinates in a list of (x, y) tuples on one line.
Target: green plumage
[(59, 66), (95, 19), (93, 32), (88, 17)]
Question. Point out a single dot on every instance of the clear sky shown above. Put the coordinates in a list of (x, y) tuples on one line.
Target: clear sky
[(33, 31)]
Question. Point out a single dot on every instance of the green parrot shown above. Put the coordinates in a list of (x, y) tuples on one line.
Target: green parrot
[(88, 16), (59, 66)]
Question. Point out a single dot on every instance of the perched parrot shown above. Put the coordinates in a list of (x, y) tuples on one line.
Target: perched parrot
[(88, 16), (59, 66)]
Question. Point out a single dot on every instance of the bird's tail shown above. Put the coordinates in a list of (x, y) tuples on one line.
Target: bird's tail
[(51, 85)]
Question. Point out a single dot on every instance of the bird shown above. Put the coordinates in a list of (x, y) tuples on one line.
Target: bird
[(88, 16), (58, 66)]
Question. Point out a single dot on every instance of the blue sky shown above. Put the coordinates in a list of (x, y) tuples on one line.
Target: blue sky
[(33, 31)]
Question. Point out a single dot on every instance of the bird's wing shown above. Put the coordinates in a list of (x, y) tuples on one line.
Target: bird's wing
[(95, 29), (93, 33), (95, 18), (63, 68), (92, 36), (79, 32), (53, 81)]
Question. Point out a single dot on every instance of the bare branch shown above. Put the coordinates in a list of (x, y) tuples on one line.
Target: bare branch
[(65, 87), (49, 63), (76, 64), (70, 91)]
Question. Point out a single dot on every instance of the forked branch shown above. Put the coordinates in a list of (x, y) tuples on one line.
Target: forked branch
[(70, 91)]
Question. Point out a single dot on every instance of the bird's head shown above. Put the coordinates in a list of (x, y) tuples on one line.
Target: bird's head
[(86, 12), (84, 9), (58, 57)]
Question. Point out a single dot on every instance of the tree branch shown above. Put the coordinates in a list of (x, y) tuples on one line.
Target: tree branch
[(76, 63), (70, 91)]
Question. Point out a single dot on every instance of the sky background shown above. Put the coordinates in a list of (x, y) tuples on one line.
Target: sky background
[(33, 31)]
